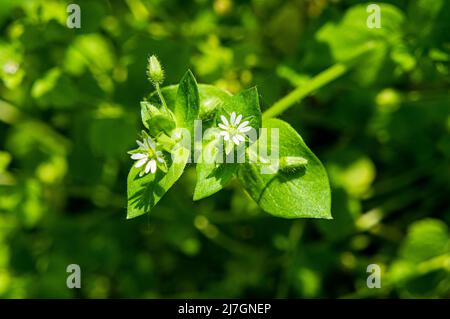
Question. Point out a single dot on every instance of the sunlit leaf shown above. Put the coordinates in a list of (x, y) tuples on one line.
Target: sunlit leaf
[(146, 191), (301, 193), (187, 102)]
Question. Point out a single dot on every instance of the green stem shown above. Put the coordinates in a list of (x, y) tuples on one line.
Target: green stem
[(321, 79), (299, 93), (161, 97)]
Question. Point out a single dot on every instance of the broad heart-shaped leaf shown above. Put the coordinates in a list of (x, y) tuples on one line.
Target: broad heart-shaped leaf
[(212, 177), (301, 193), (187, 104), (144, 192)]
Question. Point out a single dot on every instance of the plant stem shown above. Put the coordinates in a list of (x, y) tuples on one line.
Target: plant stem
[(161, 97), (299, 93), (321, 79)]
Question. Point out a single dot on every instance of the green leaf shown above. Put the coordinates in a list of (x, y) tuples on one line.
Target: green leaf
[(426, 238), (144, 192), (246, 103), (304, 192), (211, 99), (351, 36), (55, 89), (211, 177), (155, 120), (187, 102)]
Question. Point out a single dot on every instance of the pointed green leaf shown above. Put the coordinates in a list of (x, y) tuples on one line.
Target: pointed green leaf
[(144, 192), (187, 102), (155, 120), (304, 192), (211, 99), (246, 103), (211, 177)]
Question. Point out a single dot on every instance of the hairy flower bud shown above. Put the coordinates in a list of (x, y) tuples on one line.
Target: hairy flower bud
[(155, 72)]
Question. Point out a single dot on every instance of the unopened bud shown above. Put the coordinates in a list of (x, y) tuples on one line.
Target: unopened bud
[(149, 110), (155, 72), (291, 163)]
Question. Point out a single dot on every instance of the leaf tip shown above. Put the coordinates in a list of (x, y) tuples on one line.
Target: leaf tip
[(189, 75)]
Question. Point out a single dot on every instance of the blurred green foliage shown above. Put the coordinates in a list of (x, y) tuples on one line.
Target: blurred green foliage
[(69, 111)]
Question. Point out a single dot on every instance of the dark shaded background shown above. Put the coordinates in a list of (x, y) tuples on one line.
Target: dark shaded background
[(69, 111)]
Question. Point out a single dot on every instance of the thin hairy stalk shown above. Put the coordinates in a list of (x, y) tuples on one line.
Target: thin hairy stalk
[(161, 97)]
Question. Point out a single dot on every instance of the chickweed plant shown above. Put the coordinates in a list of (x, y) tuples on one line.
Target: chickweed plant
[(226, 137)]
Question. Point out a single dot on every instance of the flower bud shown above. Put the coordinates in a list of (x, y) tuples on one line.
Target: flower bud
[(148, 110), (155, 72), (156, 120), (291, 163)]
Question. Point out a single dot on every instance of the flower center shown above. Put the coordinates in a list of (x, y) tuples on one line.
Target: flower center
[(151, 153), (232, 130)]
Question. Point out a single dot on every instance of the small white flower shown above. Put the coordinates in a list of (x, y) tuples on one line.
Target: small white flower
[(233, 130), (147, 155)]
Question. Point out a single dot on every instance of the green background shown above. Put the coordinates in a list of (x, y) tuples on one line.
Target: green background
[(69, 111)]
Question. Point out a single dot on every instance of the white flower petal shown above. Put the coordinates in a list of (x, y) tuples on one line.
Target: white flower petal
[(148, 166), (141, 144), (244, 129), (138, 156), (243, 124), (235, 140), (224, 120), (238, 119), (240, 137), (151, 143), (223, 127), (153, 166), (226, 137), (141, 162), (232, 118), (160, 159)]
